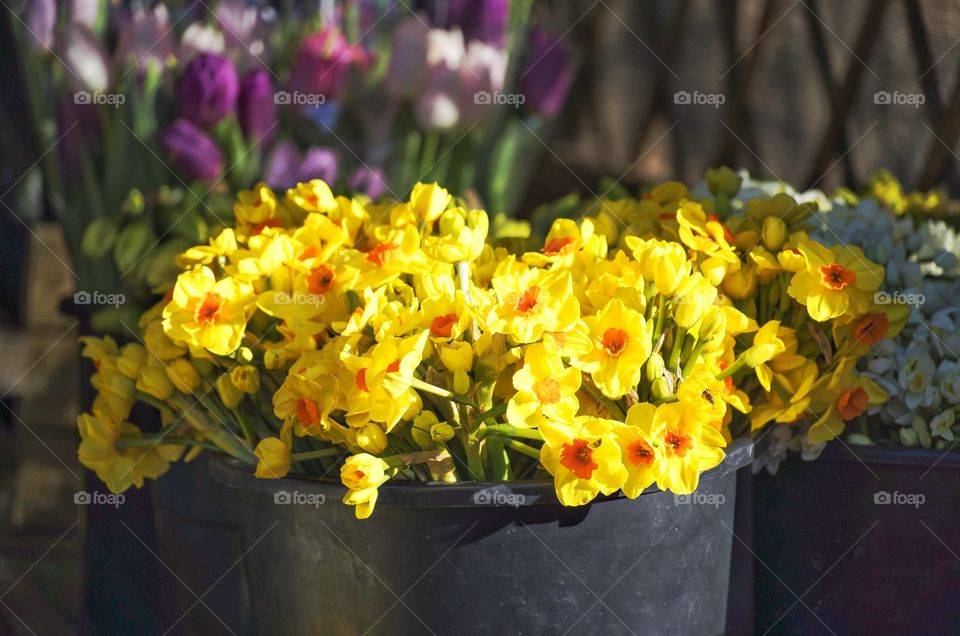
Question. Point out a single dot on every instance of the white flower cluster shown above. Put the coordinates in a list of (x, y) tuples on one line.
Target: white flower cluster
[(920, 368)]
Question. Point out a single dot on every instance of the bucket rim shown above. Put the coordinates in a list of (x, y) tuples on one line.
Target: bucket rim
[(234, 474)]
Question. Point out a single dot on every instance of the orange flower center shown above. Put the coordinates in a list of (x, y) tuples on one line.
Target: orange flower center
[(677, 443), (548, 391), (871, 329), (308, 412), (361, 380), (309, 252), (320, 280), (359, 474), (441, 326), (262, 225), (835, 276), (378, 255), (614, 340), (528, 300), (727, 381), (209, 309), (578, 458), (555, 246), (639, 453), (394, 366), (852, 402)]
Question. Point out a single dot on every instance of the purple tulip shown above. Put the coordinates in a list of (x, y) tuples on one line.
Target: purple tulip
[(192, 152), (41, 17), (368, 181), (208, 89), (545, 79), (318, 163), (408, 57), (286, 166), (322, 63), (484, 20), (82, 134), (255, 106)]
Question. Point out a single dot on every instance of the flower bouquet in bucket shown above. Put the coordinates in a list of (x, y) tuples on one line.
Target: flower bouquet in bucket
[(407, 340)]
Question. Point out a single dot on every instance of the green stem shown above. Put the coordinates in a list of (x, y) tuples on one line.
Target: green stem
[(420, 385), (611, 406), (694, 356), (499, 460), (520, 447), (154, 402), (667, 399), (428, 154), (325, 452), (510, 431), (733, 368), (677, 348), (492, 413), (134, 442), (246, 427), (661, 316), (227, 441)]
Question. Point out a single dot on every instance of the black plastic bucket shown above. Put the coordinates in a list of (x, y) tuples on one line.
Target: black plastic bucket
[(486, 558), (866, 537), (200, 548)]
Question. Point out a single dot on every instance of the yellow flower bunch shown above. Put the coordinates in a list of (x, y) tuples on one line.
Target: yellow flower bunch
[(398, 340)]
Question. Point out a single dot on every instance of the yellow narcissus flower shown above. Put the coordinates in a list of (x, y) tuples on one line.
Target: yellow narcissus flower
[(694, 297), (274, 456), (584, 458), (309, 394), (208, 313), (428, 201), (312, 196), (363, 474), (563, 240), (132, 358), (709, 236), (688, 447), (835, 281), (622, 342), (222, 245), (640, 453), (154, 382), (463, 236), (841, 397), (766, 346), (246, 378), (256, 209), (118, 469), (184, 376), (662, 262), (791, 402), (546, 389), (531, 303), (381, 391)]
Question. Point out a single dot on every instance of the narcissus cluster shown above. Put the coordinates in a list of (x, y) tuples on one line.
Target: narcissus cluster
[(406, 340)]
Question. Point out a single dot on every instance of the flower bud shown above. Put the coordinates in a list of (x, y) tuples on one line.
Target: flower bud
[(192, 152), (184, 376), (660, 388), (246, 378), (208, 89), (654, 367), (774, 232), (723, 180), (452, 221), (741, 283), (909, 437), (131, 360), (159, 345), (922, 431), (153, 381), (457, 356), (229, 394), (275, 459), (428, 201), (441, 432), (372, 439)]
